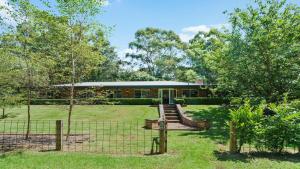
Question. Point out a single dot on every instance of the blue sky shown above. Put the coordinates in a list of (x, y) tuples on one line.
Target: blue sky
[(185, 17)]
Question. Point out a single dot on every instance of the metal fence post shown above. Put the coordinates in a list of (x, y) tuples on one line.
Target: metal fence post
[(59, 135)]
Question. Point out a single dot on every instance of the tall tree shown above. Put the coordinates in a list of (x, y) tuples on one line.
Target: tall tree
[(22, 45), (263, 56), (204, 52), (157, 51), (82, 57)]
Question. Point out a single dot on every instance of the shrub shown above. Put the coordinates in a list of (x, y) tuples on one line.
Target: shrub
[(132, 101), (266, 131), (50, 101), (179, 101), (156, 101), (206, 100)]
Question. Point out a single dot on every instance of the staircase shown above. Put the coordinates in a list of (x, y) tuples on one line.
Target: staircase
[(171, 114)]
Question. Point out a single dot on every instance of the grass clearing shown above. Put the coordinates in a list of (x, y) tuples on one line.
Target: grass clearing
[(186, 149)]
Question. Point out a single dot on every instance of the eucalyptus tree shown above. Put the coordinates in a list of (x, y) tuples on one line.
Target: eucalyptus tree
[(204, 52), (82, 55), (157, 51)]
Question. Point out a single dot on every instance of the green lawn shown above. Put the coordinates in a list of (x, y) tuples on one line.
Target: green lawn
[(185, 149)]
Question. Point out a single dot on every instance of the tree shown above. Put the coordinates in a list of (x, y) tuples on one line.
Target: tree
[(109, 69), (262, 57), (8, 80), (204, 52), (20, 43), (159, 52), (82, 56)]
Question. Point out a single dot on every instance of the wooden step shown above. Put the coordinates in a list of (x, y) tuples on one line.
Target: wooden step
[(173, 121), (172, 117), (171, 114)]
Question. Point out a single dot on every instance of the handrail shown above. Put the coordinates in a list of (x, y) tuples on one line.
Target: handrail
[(162, 116)]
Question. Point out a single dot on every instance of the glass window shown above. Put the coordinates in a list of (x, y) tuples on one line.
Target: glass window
[(141, 93), (137, 93), (186, 93), (189, 93), (194, 93), (118, 94)]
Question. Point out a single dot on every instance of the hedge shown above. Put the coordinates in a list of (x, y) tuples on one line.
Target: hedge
[(118, 101), (133, 101), (206, 100)]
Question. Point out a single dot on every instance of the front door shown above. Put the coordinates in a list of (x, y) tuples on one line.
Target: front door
[(167, 96)]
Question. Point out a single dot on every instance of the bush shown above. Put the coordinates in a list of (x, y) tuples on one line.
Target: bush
[(266, 131), (206, 100), (132, 101), (93, 101), (179, 101), (50, 101), (156, 101)]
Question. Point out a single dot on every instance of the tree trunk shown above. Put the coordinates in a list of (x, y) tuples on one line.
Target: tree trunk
[(233, 139), (71, 93), (28, 113)]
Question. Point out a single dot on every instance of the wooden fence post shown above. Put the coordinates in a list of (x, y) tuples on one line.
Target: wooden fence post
[(59, 135), (162, 136), (233, 139)]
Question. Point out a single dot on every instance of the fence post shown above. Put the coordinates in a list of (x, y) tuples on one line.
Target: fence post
[(59, 135), (233, 139), (162, 136)]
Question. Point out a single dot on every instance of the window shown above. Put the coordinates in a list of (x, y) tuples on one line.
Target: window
[(115, 94), (118, 93), (190, 93), (141, 93)]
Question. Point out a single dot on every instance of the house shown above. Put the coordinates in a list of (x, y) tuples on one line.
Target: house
[(167, 91)]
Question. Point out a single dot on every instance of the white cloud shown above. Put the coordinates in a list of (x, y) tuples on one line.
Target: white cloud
[(188, 33)]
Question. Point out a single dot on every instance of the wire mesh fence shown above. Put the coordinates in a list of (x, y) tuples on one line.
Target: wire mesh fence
[(107, 137)]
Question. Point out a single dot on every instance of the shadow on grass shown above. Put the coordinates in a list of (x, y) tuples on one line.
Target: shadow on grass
[(247, 157), (217, 117)]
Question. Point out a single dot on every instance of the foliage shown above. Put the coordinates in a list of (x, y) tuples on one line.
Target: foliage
[(156, 101), (272, 132), (140, 76), (132, 101), (206, 100), (179, 101), (156, 51), (263, 57)]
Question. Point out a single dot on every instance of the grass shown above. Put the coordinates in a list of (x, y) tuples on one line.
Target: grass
[(185, 149)]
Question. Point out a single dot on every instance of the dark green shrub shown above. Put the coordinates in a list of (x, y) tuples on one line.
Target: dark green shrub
[(132, 101), (206, 100), (50, 101), (180, 101), (156, 101)]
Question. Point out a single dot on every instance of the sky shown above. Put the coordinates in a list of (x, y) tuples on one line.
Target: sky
[(185, 17)]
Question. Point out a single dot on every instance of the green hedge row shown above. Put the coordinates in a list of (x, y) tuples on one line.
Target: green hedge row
[(134, 101), (117, 101), (205, 100)]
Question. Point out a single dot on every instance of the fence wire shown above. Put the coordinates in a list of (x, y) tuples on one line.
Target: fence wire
[(106, 137)]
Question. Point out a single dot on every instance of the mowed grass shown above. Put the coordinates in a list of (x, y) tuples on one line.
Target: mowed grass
[(186, 149), (83, 112)]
